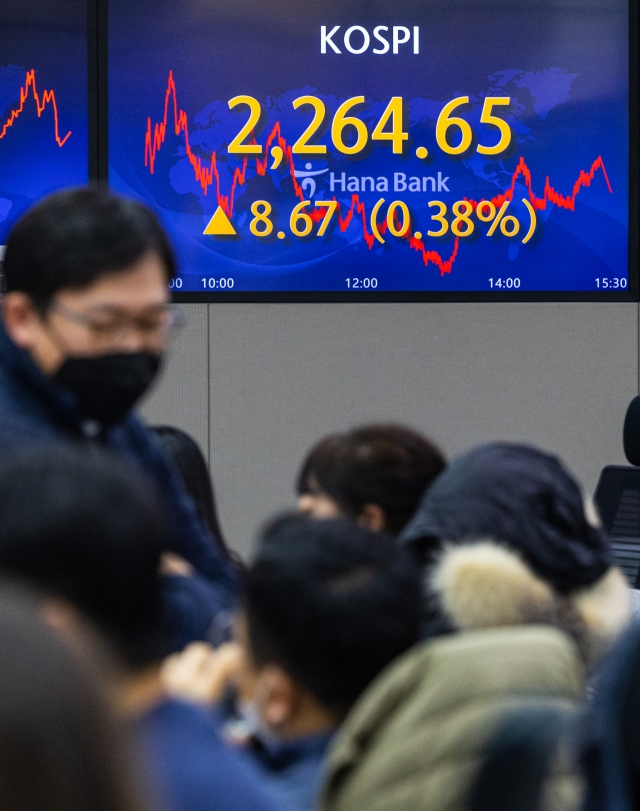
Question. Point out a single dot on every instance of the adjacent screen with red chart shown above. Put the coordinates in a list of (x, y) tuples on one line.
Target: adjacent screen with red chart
[(376, 147), (43, 102)]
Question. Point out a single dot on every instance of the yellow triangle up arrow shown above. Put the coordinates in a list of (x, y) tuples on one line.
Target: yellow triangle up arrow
[(220, 224)]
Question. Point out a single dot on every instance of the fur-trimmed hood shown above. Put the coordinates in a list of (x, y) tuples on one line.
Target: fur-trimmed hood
[(484, 584)]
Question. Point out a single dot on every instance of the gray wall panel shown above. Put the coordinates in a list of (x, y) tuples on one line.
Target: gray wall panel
[(181, 396), (558, 375)]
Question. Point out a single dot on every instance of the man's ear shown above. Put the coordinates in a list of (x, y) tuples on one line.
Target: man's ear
[(372, 517), (279, 697), (20, 318)]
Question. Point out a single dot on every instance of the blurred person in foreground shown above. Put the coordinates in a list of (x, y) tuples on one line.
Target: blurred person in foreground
[(521, 600), (85, 324), (327, 606), (90, 534), (374, 474), (62, 747)]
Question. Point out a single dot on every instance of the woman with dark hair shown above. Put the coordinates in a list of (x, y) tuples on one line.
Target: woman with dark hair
[(375, 474), (194, 472), (60, 746), (193, 596)]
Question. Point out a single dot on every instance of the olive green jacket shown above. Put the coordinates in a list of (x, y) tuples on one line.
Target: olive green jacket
[(414, 740)]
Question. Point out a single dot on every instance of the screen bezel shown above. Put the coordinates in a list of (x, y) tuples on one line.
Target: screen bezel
[(99, 170)]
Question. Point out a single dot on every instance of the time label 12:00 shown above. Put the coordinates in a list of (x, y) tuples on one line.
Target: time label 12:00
[(210, 283), (390, 127)]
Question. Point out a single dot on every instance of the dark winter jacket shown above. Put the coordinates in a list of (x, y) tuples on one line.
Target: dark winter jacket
[(611, 745), (34, 411)]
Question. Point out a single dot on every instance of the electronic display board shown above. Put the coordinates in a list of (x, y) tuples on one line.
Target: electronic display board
[(43, 102), (372, 149)]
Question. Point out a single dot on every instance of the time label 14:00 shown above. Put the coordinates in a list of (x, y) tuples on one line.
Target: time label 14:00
[(350, 135)]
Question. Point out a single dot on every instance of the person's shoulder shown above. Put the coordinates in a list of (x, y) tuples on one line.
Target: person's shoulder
[(19, 428), (420, 727), (22, 420), (454, 667), (174, 719), (198, 770)]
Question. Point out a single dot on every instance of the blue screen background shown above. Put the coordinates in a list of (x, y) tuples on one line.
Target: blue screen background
[(50, 39), (565, 69)]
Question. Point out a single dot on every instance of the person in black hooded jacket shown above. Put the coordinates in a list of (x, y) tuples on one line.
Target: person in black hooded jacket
[(500, 510)]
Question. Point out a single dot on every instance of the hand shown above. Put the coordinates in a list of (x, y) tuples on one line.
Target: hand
[(172, 564), (201, 674)]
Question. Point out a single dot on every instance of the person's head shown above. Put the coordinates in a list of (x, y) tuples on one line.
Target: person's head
[(82, 527), (86, 275), (327, 605), (194, 472), (61, 748), (523, 498), (375, 474)]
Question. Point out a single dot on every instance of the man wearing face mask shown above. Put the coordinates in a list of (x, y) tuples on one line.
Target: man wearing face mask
[(85, 322)]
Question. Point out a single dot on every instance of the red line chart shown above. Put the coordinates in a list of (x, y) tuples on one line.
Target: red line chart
[(48, 97), (207, 175)]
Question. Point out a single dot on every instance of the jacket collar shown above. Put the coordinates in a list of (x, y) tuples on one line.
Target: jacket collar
[(284, 753), (484, 584)]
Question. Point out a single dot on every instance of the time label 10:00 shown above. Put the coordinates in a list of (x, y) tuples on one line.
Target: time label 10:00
[(210, 283), (390, 127)]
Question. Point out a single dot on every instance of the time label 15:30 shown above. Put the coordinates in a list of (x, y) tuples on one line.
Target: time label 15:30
[(350, 135), (611, 283)]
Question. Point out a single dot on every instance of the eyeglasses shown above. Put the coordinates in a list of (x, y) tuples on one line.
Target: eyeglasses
[(113, 326)]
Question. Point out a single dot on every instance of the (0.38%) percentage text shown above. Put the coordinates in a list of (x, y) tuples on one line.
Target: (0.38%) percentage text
[(485, 211)]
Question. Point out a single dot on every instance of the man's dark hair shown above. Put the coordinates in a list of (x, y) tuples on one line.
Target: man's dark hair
[(81, 526), (73, 237), (330, 603), (388, 465)]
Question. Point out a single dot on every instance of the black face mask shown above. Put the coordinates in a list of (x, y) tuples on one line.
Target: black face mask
[(108, 386)]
